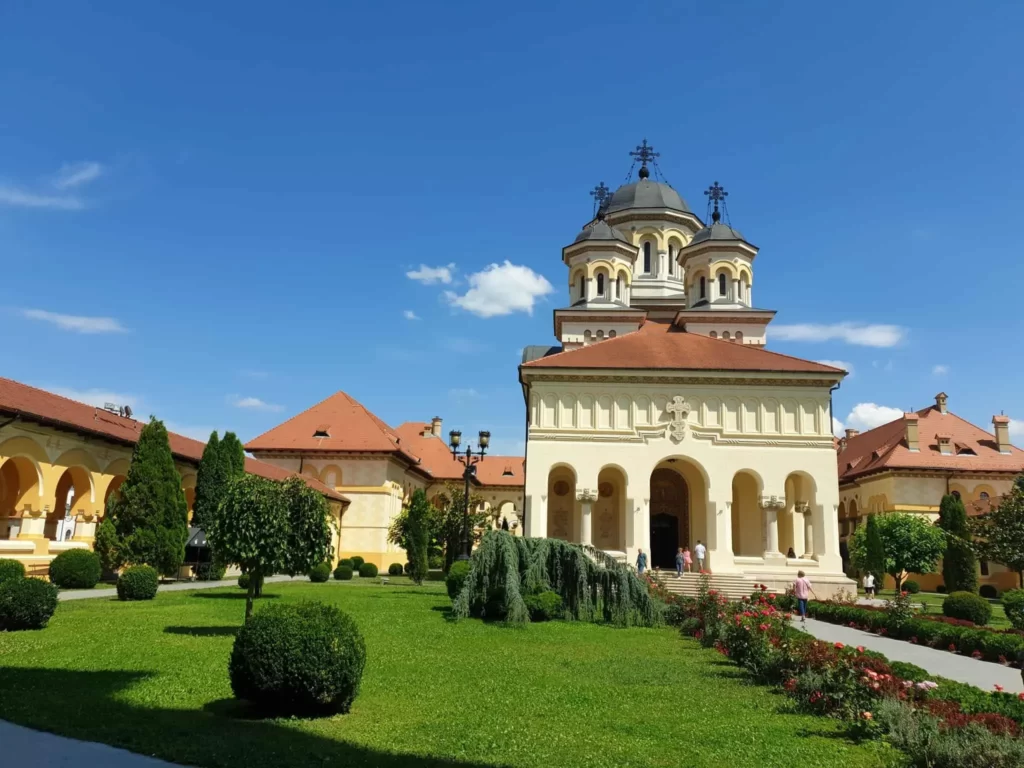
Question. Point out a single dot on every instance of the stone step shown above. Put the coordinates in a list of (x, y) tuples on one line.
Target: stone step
[(732, 586)]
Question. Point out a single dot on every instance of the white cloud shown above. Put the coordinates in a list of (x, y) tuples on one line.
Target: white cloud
[(860, 334), (21, 198), (1017, 431), (940, 370), (501, 290), (97, 397), (76, 174), (838, 428), (253, 403), (76, 323), (410, 315), (848, 367), (865, 416), (430, 275)]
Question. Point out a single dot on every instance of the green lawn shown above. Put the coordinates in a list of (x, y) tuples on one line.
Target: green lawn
[(933, 601), (152, 677)]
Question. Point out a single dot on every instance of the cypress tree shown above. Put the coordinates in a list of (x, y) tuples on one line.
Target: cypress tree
[(211, 481), (959, 564), (875, 552), (417, 539), (232, 448), (151, 516)]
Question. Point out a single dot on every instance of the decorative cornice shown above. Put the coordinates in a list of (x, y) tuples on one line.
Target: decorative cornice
[(613, 376), (647, 434)]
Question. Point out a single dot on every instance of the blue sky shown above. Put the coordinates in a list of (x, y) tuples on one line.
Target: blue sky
[(211, 213)]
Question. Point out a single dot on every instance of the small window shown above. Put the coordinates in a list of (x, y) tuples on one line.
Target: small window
[(721, 284), (586, 335), (983, 564), (322, 431), (600, 335), (600, 285), (647, 258), (739, 337), (983, 495), (726, 336), (582, 288), (703, 287), (672, 260), (956, 494), (713, 334), (611, 334)]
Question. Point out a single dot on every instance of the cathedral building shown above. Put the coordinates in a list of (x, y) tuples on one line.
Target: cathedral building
[(660, 420)]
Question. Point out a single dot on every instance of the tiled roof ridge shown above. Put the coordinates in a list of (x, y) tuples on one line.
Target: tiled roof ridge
[(340, 392), (565, 351), (124, 420)]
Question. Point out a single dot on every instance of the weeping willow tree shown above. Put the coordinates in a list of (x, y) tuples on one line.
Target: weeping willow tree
[(505, 568)]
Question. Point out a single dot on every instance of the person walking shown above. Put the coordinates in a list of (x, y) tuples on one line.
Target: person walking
[(869, 584), (687, 559), (680, 561), (700, 553), (641, 561), (802, 590)]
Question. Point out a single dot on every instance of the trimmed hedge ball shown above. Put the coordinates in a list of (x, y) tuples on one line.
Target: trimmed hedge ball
[(76, 569), (457, 576), (343, 573), (544, 606), (347, 561), (318, 574), (304, 659), (243, 580), (210, 572), (911, 587), (395, 569), (967, 606), (368, 570), (139, 582), (11, 570), (26, 604), (357, 562)]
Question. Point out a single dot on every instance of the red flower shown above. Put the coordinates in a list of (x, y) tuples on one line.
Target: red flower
[(860, 649), (952, 647), (976, 654), (839, 646), (998, 687), (913, 640), (1020, 696)]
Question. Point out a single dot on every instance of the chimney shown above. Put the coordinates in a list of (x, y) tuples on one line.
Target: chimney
[(1002, 430), (435, 426), (940, 402), (840, 445), (851, 433), (910, 425), (945, 444)]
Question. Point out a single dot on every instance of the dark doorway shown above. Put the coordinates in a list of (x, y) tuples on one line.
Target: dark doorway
[(664, 538), (670, 516)]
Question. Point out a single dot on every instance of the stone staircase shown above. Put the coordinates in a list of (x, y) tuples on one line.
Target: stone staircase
[(731, 585)]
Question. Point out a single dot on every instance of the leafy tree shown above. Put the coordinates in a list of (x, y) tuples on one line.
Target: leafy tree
[(959, 564), (1000, 533), (874, 549), (232, 447), (911, 545), (211, 481), (417, 535), (107, 544), (150, 515), (451, 521), (309, 527)]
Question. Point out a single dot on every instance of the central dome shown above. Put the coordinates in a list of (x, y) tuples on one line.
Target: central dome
[(646, 194)]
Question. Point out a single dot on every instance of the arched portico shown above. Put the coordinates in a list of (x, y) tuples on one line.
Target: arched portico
[(562, 503), (677, 509), (747, 521), (609, 526)]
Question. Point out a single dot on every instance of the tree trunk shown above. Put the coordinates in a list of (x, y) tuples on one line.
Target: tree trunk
[(898, 577), (249, 595)]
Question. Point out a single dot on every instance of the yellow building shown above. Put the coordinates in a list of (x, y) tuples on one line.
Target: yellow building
[(61, 460), (909, 464), (343, 445)]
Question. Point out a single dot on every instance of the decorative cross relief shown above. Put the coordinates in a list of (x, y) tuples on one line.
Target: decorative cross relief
[(586, 496), (680, 410), (772, 502), (802, 507)]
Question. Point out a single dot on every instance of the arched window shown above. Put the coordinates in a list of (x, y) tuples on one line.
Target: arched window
[(739, 336), (726, 336), (721, 283), (582, 289), (618, 287), (983, 495), (611, 334), (600, 284), (586, 335), (672, 260), (713, 334), (739, 288), (703, 287), (600, 335), (647, 257), (956, 494)]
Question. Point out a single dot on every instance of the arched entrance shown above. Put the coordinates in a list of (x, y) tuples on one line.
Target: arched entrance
[(670, 516)]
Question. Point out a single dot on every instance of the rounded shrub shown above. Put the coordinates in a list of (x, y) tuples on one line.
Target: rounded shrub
[(912, 587), (408, 568), (139, 582), (76, 569), (357, 562), (210, 572), (26, 604), (343, 573), (1013, 604), (457, 576), (435, 561), (11, 570), (318, 574), (544, 606), (395, 569), (967, 606), (304, 659), (368, 570), (941, 589), (346, 561), (988, 591), (243, 580)]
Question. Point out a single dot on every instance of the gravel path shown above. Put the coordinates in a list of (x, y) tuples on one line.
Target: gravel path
[(177, 586)]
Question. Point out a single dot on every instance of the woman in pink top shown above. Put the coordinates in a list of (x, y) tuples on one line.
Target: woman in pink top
[(802, 590), (687, 559)]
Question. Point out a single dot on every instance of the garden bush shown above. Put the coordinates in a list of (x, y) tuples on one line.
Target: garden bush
[(395, 569), (911, 586), (368, 570), (11, 570), (1013, 605), (407, 568), (989, 591), (941, 589), (347, 561), (210, 572), (304, 659), (969, 606), (343, 573), (435, 562), (26, 604), (243, 581), (357, 562), (318, 574), (457, 576), (76, 569), (138, 582), (544, 606)]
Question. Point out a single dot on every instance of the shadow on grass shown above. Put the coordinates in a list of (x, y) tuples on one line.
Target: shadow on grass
[(222, 734), (234, 596), (202, 631)]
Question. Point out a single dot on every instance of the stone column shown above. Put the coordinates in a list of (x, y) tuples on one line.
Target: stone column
[(662, 263), (33, 524), (771, 506), (736, 289), (719, 533), (808, 531), (644, 534), (586, 498), (536, 524)]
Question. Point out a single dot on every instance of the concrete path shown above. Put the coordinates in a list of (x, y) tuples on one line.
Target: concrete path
[(23, 746), (983, 674), (177, 586)]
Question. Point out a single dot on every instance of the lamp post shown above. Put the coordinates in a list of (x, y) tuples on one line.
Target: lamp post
[(469, 459)]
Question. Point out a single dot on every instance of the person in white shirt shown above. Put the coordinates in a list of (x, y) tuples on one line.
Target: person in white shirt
[(869, 584), (699, 553)]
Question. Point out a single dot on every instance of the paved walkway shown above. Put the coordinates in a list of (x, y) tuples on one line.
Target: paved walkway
[(983, 674), (177, 586), (23, 746)]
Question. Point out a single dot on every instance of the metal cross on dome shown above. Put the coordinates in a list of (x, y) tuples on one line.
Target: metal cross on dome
[(716, 194), (601, 194), (645, 154), (680, 410)]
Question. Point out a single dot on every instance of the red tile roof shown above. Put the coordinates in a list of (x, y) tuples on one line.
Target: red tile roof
[(437, 458), (55, 410), (885, 447), (661, 345)]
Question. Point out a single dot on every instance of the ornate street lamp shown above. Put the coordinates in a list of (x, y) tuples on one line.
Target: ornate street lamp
[(469, 459)]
